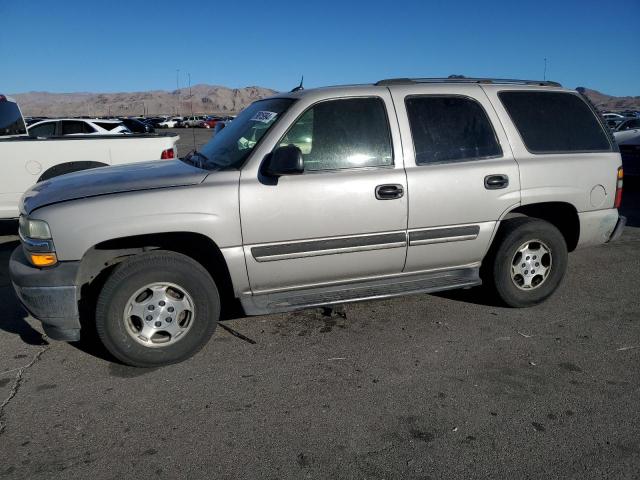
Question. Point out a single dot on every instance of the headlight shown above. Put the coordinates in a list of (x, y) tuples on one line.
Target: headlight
[(36, 242), (30, 228)]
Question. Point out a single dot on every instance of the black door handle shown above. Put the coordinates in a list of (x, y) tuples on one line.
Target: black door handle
[(495, 182), (389, 192)]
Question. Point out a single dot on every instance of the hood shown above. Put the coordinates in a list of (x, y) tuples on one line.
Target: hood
[(106, 180)]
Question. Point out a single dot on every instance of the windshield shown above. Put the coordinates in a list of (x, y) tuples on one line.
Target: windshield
[(231, 146)]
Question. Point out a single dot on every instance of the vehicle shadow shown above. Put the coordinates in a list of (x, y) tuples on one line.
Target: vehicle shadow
[(476, 295), (13, 319)]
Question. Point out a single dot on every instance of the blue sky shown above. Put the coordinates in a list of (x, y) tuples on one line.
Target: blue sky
[(68, 46)]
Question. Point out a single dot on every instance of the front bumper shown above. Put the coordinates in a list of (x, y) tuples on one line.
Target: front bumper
[(49, 295)]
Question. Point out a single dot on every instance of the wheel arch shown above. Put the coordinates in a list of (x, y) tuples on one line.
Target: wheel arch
[(562, 215), (99, 261), (69, 167)]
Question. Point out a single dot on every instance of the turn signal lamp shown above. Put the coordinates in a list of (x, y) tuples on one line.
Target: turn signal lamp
[(43, 259)]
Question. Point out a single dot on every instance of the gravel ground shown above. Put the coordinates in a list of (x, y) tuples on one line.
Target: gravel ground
[(429, 386)]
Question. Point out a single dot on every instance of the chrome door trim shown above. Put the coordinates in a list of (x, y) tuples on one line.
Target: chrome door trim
[(442, 235), (328, 246)]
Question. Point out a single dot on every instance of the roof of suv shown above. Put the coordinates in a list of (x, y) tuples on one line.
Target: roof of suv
[(463, 79), (454, 79)]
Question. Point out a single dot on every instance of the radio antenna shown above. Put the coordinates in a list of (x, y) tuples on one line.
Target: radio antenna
[(299, 87)]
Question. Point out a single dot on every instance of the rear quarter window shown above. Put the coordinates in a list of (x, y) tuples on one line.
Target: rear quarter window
[(555, 122)]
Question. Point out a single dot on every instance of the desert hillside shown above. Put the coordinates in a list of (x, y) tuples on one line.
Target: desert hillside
[(204, 98), (609, 102), (208, 99)]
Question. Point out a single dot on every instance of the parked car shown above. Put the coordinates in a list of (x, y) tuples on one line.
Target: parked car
[(194, 121), (77, 126), (137, 126), (174, 122), (321, 197), (154, 121), (210, 121), (613, 119), (629, 124), (29, 159)]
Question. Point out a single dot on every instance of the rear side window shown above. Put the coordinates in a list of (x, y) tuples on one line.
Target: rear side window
[(345, 133), (47, 129), (555, 122), (450, 129), (73, 127), (11, 122)]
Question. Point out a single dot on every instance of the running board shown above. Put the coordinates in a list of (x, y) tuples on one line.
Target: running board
[(279, 302)]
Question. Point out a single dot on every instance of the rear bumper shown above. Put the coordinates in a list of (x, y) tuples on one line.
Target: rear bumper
[(49, 295), (617, 231), (597, 227)]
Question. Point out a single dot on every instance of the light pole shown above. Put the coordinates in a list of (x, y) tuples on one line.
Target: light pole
[(190, 96)]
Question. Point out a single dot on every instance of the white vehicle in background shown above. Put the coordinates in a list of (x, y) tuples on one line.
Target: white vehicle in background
[(170, 122), (27, 158), (76, 126)]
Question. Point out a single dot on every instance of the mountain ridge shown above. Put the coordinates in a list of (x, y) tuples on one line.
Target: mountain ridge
[(203, 99), (200, 99)]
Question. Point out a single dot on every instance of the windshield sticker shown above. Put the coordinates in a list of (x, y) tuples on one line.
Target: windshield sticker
[(264, 117)]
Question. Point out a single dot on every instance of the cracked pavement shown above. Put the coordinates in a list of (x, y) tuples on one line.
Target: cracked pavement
[(428, 386)]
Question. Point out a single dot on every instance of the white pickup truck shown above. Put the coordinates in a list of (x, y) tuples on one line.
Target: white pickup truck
[(25, 160)]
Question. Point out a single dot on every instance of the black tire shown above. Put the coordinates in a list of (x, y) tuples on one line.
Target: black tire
[(514, 233), (145, 269)]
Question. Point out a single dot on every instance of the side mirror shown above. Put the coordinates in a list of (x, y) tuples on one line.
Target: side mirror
[(285, 161)]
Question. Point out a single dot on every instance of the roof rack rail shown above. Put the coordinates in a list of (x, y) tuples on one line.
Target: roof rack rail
[(463, 79)]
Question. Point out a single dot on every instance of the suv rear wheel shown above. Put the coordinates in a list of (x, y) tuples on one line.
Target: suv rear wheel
[(157, 308), (528, 263)]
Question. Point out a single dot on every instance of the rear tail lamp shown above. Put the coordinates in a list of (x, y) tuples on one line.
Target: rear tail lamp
[(168, 154), (618, 201)]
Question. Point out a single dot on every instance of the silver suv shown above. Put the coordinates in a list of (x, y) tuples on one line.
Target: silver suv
[(322, 197)]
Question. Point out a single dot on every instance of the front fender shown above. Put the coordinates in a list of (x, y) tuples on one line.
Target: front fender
[(210, 209)]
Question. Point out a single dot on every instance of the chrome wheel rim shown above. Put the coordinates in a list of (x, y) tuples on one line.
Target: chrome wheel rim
[(159, 314), (531, 265)]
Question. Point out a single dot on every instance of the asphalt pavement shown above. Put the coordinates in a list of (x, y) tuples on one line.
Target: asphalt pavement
[(446, 386)]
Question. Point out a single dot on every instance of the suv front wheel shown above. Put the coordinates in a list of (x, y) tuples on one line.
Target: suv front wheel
[(528, 262), (157, 308)]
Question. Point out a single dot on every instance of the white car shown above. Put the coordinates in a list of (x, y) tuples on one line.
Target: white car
[(170, 122), (27, 159), (76, 126)]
